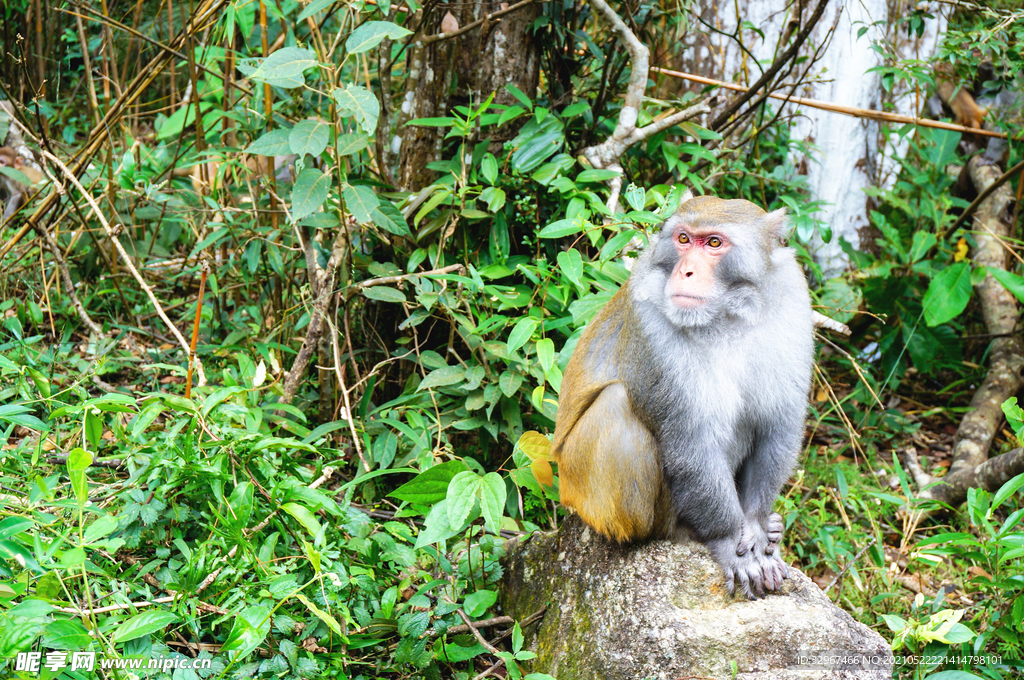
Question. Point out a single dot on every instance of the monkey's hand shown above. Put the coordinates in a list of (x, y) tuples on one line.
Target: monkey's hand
[(751, 560)]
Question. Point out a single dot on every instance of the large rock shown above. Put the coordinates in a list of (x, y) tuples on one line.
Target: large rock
[(660, 610)]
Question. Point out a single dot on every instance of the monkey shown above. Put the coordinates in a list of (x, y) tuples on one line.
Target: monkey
[(681, 411), (966, 111), (16, 190)]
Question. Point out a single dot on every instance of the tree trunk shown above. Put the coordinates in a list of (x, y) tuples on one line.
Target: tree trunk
[(461, 71)]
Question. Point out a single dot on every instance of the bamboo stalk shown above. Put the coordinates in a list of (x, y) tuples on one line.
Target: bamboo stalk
[(837, 108)]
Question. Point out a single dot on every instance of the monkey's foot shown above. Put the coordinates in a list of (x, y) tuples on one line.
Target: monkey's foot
[(751, 561)]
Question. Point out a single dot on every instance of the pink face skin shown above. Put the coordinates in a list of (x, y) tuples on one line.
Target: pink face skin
[(692, 283)]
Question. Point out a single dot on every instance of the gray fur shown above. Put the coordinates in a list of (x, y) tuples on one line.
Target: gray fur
[(723, 388)]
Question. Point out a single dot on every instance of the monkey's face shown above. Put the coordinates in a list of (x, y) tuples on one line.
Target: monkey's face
[(708, 262)]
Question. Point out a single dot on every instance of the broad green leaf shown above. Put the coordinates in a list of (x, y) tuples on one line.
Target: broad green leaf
[(368, 35), (546, 353), (560, 228), (635, 196), (355, 100), (1014, 283), (948, 294), (314, 7), (597, 175), (509, 382), (431, 485), (476, 604), (143, 624), (521, 333), (304, 517), (1007, 490), (384, 294), (571, 263), (494, 197), (285, 67), (273, 143), (489, 168), (536, 143), (65, 635), (390, 219), (309, 136), (352, 142), (12, 526), (250, 628), (922, 243), (462, 497), (360, 201), (446, 375), (492, 500), (311, 190), (331, 622)]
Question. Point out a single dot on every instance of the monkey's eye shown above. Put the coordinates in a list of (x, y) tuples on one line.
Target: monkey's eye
[(715, 242), (684, 239)]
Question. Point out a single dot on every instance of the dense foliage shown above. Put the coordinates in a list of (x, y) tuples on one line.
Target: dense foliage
[(352, 526)]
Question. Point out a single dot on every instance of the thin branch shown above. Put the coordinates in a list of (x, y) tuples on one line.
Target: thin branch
[(855, 111), (470, 26), (126, 259), (767, 76)]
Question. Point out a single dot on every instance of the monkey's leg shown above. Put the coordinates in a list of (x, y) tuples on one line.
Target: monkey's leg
[(758, 484), (610, 472), (705, 499)]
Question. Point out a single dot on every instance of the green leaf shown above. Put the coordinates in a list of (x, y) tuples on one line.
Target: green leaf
[(948, 294), (546, 353), (304, 517), (489, 168), (635, 197), (273, 143), (476, 604), (597, 175), (285, 67), (384, 294), (250, 628), (492, 500), (560, 228), (143, 624), (311, 190), (431, 485), (355, 100), (494, 197), (351, 142), (1007, 490), (66, 635), (446, 375), (521, 333), (360, 201), (509, 382), (571, 263), (369, 34), (536, 143), (309, 136), (1013, 283), (462, 497), (518, 94)]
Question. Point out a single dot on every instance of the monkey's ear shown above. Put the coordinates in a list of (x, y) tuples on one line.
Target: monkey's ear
[(778, 226)]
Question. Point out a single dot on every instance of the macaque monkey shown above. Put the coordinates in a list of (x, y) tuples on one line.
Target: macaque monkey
[(965, 110), (682, 409), (16, 190)]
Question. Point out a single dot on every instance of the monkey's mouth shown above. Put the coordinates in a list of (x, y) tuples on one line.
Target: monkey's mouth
[(687, 301)]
